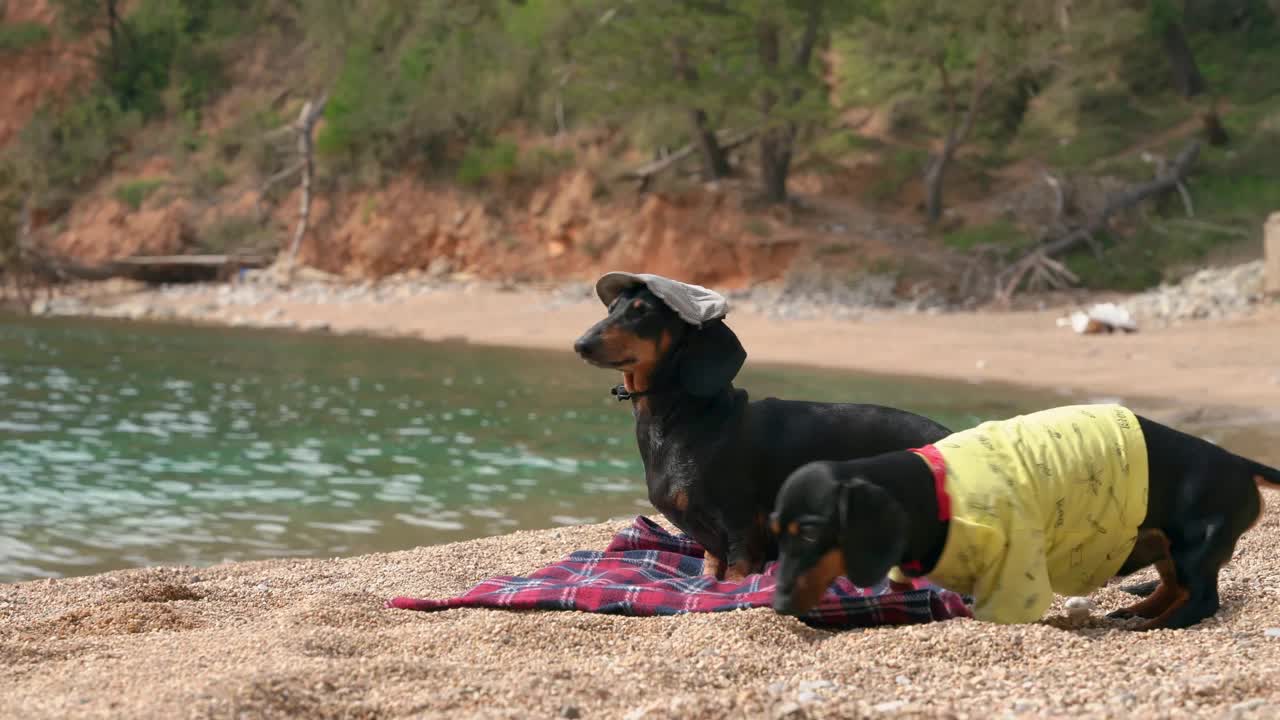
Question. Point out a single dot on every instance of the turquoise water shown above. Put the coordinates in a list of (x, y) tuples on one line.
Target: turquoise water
[(127, 445)]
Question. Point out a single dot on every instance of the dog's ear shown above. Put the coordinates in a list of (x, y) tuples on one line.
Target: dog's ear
[(710, 359), (873, 532)]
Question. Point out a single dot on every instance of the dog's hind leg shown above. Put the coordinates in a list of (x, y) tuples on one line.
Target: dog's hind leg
[(1152, 547), (1196, 558), (1141, 589), (1166, 595), (1201, 548)]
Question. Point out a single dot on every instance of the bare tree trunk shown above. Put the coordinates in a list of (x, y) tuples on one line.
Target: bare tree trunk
[(1214, 131), (777, 141), (24, 278), (715, 161), (957, 132), (307, 120), (113, 21), (775, 163), (1186, 73), (1063, 11), (113, 37)]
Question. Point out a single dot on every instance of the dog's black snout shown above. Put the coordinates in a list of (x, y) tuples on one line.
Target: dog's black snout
[(586, 345)]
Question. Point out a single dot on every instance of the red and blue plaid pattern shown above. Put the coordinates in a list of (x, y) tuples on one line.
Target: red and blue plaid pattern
[(647, 571)]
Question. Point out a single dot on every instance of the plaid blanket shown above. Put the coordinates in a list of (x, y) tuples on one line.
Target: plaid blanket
[(647, 571)]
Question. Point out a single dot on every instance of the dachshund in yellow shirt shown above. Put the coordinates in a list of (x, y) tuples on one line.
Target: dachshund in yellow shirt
[(1014, 511)]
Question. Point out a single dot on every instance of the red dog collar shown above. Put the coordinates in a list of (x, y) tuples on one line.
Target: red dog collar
[(939, 468)]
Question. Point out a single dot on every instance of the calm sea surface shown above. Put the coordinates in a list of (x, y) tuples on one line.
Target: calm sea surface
[(126, 445)]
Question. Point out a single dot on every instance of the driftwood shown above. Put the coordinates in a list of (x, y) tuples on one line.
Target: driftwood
[(728, 142), (1038, 266), (142, 261), (144, 268)]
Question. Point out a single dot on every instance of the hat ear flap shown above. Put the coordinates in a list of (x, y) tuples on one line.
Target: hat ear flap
[(710, 359), (873, 532)]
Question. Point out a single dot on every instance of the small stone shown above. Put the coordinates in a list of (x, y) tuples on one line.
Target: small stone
[(788, 710), (1247, 705), (812, 685), (570, 711), (1272, 632), (1079, 608), (808, 698), (1125, 698), (1021, 706), (890, 706)]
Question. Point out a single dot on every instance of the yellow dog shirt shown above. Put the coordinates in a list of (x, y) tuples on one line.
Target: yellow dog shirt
[(1039, 503)]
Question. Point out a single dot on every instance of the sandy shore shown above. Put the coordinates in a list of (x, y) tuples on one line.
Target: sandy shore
[(294, 638)]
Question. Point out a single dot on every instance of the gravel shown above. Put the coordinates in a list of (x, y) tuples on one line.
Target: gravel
[(311, 638), (1212, 293), (237, 304)]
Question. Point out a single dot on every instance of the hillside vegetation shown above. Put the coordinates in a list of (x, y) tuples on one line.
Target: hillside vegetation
[(907, 137)]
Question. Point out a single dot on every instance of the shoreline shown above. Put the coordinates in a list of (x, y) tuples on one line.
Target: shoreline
[(1198, 367), (310, 637)]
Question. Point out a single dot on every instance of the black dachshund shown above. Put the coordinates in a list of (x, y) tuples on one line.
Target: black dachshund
[(713, 460)]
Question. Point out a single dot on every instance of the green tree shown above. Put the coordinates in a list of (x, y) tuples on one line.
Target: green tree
[(654, 61), (713, 63), (953, 52), (158, 43), (417, 83)]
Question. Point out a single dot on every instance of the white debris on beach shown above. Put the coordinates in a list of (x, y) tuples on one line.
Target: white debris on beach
[(1212, 294), (1101, 318)]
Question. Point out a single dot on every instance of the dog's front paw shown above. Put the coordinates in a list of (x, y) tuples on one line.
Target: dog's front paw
[(737, 572), (711, 566)]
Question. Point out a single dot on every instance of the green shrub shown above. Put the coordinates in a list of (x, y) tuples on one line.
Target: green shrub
[(545, 162), (1000, 233), (16, 37), (209, 179), (235, 233), (136, 192), (486, 164), (164, 43), (63, 148), (902, 165)]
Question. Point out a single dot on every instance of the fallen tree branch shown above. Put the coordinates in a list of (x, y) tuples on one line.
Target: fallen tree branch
[(1186, 198), (728, 142), (266, 184), (1167, 179), (1214, 227), (1059, 199)]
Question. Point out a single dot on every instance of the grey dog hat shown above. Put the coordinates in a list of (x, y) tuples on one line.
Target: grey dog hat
[(693, 303)]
